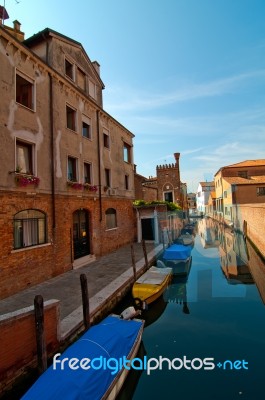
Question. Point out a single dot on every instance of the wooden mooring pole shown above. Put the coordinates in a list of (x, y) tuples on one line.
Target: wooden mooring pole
[(133, 262), (40, 334), (85, 301), (145, 253)]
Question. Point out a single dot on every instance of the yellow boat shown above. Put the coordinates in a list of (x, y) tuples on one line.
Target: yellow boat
[(151, 285)]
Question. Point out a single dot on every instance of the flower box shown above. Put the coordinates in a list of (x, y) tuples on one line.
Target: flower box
[(82, 186), (25, 180)]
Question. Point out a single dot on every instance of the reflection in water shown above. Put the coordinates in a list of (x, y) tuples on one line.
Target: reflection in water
[(232, 250), (207, 315), (177, 293)]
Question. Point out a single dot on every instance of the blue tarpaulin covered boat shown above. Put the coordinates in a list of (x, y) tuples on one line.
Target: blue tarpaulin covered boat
[(95, 370), (177, 252)]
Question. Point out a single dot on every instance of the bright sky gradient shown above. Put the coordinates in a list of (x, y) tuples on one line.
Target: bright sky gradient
[(183, 75)]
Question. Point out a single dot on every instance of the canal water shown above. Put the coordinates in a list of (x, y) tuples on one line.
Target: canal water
[(214, 318)]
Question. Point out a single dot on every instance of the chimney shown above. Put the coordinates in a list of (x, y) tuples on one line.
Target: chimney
[(96, 66), (15, 31)]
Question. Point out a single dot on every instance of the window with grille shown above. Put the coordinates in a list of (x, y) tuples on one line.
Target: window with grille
[(111, 218), (29, 228)]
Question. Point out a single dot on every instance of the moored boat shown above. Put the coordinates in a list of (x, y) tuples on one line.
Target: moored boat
[(177, 257), (177, 252), (179, 267), (151, 285), (91, 368), (185, 239)]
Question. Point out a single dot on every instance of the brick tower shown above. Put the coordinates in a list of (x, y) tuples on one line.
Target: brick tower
[(168, 181)]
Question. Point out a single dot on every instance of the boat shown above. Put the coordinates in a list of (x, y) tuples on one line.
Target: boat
[(186, 239), (178, 257), (177, 252), (91, 368), (151, 285), (179, 268)]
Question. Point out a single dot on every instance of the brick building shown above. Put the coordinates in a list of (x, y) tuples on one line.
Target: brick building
[(166, 186), (154, 222), (67, 176)]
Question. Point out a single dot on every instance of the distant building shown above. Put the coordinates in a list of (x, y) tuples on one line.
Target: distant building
[(238, 184), (191, 199), (155, 219), (202, 196), (166, 186)]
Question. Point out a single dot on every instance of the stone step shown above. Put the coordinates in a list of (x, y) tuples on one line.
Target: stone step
[(81, 262)]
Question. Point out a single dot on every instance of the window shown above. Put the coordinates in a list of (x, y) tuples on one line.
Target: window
[(225, 194), (69, 69), (107, 177), (92, 89), (243, 174), (81, 79), (87, 173), (261, 191), (126, 182), (24, 91), (111, 218), (24, 162), (72, 169), (86, 127), (71, 118), (29, 228), (106, 140), (126, 153), (168, 196)]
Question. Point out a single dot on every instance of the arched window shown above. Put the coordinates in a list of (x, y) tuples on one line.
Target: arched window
[(111, 218), (29, 228)]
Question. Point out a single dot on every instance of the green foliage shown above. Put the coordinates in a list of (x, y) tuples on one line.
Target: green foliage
[(170, 206)]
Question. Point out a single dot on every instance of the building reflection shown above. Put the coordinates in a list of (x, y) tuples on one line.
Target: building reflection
[(240, 262)]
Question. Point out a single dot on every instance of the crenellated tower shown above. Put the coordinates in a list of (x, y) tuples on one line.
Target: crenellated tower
[(168, 181)]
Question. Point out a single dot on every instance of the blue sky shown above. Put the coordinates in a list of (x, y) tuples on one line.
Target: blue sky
[(183, 75)]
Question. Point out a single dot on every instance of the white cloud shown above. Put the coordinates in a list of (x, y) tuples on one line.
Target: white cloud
[(129, 99)]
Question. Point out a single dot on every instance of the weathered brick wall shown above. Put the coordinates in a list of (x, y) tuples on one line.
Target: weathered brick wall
[(256, 267), (254, 215), (22, 268), (146, 193), (18, 340)]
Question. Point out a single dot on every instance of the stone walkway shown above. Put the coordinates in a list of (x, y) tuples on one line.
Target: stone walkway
[(104, 277)]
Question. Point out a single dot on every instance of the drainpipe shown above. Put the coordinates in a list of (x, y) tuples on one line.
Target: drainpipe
[(52, 135), (99, 169), (52, 153)]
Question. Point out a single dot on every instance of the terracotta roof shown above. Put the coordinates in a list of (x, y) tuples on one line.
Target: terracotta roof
[(207, 184), (252, 180), (247, 163)]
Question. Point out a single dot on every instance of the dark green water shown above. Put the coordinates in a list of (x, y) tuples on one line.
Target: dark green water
[(224, 319)]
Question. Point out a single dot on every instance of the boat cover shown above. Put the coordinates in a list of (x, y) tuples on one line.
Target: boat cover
[(154, 276), (112, 338), (177, 252)]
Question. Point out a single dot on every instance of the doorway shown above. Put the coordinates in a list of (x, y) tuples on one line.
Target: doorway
[(81, 240), (148, 228)]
